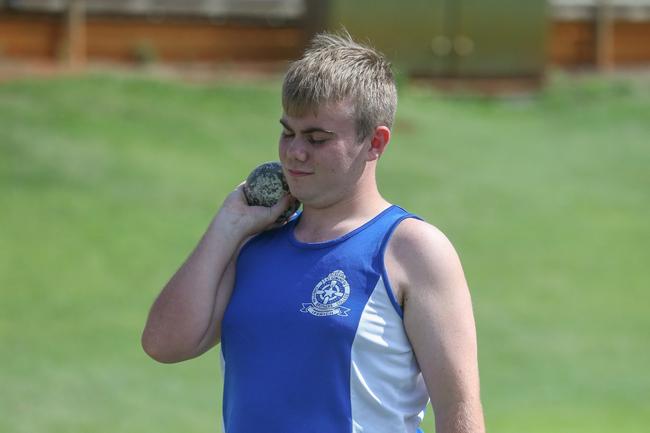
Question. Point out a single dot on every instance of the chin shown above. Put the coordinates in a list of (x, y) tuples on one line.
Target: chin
[(321, 201), (295, 192), (302, 196)]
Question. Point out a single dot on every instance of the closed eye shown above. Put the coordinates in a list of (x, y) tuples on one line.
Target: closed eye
[(312, 140), (287, 134)]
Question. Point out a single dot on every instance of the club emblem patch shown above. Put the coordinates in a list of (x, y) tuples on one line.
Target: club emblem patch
[(328, 296)]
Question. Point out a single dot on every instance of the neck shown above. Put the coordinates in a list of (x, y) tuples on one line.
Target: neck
[(321, 223)]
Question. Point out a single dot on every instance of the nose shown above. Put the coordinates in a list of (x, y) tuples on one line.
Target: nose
[(295, 149)]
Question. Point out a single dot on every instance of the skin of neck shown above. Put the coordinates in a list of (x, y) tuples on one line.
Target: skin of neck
[(352, 209)]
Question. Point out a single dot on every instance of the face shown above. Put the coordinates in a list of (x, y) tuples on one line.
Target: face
[(321, 157)]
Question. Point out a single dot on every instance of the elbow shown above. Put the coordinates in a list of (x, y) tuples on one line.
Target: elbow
[(156, 351), (465, 416)]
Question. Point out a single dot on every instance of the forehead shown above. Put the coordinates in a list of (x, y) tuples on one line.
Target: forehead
[(332, 115)]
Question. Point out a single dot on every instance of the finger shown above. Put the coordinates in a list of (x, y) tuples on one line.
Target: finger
[(275, 225), (240, 190), (276, 211), (281, 206)]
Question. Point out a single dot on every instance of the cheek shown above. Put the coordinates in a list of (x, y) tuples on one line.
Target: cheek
[(282, 147), (351, 157), (336, 165)]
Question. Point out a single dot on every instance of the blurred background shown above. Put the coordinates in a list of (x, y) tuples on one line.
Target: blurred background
[(442, 38), (522, 132)]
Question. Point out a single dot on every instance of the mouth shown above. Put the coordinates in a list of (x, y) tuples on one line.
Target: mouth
[(298, 173)]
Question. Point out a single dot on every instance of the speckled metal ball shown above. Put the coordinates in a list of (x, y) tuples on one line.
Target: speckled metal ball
[(266, 185)]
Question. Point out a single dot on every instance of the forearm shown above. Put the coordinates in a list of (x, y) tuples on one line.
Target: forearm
[(182, 312), (461, 417), (186, 317)]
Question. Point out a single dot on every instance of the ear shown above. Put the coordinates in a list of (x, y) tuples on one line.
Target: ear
[(378, 142)]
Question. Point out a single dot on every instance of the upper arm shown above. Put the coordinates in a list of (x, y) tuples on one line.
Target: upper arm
[(438, 316), (226, 285)]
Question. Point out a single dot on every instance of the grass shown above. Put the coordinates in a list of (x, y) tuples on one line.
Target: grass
[(107, 182)]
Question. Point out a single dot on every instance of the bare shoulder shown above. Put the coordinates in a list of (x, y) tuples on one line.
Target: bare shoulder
[(419, 256), (439, 322), (415, 233)]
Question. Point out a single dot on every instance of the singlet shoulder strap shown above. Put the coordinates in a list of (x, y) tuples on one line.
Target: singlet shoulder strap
[(399, 217)]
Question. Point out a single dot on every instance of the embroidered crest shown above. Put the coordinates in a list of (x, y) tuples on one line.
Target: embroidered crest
[(328, 296)]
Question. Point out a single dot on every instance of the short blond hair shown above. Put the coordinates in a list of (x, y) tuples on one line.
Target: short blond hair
[(335, 68)]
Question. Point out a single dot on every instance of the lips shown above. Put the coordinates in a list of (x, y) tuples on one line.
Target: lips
[(298, 173)]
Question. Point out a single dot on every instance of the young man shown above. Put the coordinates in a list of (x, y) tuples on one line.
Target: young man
[(349, 317)]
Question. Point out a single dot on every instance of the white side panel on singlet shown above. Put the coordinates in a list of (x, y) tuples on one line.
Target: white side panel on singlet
[(388, 393)]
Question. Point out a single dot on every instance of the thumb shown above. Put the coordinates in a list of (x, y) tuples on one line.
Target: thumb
[(281, 206), (277, 211)]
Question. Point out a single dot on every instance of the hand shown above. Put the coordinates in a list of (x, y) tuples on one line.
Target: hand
[(243, 220)]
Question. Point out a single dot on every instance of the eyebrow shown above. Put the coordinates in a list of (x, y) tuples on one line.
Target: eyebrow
[(310, 130)]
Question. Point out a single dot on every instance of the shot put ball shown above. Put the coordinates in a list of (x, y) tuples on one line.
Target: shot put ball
[(266, 185)]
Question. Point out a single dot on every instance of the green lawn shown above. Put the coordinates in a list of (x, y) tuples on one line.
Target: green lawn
[(107, 182)]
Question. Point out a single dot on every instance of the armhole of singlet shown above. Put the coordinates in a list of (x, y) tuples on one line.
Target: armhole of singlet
[(384, 274)]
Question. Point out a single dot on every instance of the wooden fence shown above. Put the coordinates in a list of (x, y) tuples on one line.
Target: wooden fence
[(174, 39), (124, 39)]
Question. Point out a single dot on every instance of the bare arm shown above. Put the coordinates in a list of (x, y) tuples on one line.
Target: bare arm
[(185, 319), (439, 322)]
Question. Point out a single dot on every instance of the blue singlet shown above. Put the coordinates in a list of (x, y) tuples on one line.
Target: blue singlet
[(313, 339)]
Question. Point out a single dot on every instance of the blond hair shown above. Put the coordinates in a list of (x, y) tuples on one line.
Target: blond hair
[(335, 68)]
